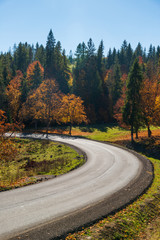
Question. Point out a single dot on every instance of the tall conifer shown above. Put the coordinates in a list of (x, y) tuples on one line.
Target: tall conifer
[(132, 114)]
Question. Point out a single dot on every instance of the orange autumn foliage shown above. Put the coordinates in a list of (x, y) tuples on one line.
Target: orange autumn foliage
[(72, 110), (8, 150), (13, 93), (43, 103), (149, 94)]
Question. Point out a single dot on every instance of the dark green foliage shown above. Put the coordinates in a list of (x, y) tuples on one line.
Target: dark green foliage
[(88, 81), (132, 114), (109, 59), (50, 56), (23, 56), (56, 66), (37, 77), (129, 54), (117, 84), (40, 54)]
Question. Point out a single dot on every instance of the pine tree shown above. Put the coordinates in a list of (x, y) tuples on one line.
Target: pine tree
[(132, 114), (139, 50), (21, 58), (50, 56), (90, 48), (109, 59), (129, 54), (63, 74), (100, 64), (40, 54), (117, 84), (37, 76)]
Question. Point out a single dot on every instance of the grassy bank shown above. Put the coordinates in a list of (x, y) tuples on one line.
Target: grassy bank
[(36, 159)]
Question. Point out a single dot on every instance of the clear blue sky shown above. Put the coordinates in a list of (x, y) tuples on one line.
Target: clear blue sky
[(74, 21)]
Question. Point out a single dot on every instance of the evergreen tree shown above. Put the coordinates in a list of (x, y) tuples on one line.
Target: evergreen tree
[(109, 59), (21, 58), (70, 57), (40, 54), (83, 50), (62, 75), (158, 53), (100, 64), (78, 51), (129, 54), (139, 50), (117, 84), (124, 45), (122, 59), (114, 56), (90, 48), (37, 77), (50, 56), (132, 114)]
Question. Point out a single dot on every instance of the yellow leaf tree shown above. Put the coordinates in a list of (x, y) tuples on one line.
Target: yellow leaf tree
[(43, 103), (13, 93), (71, 111), (8, 150)]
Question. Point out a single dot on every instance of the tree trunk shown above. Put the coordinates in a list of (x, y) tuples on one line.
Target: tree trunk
[(70, 129), (48, 123), (149, 132), (132, 134), (136, 133), (35, 124)]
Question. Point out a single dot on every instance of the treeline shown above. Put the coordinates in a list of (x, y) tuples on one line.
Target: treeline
[(103, 83)]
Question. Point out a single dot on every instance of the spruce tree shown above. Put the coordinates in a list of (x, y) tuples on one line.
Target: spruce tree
[(132, 114), (100, 64), (21, 58), (90, 48), (40, 54), (129, 54), (50, 56), (109, 59), (37, 77), (139, 50), (117, 83)]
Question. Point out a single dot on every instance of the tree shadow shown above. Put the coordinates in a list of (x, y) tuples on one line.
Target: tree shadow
[(103, 127), (147, 146)]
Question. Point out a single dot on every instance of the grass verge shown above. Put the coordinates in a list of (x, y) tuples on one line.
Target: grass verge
[(37, 160)]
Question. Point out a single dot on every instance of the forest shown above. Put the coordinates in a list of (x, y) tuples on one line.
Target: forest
[(42, 86)]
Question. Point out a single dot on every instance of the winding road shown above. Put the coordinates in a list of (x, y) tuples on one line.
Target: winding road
[(110, 178)]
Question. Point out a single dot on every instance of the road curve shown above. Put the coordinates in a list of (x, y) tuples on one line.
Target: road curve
[(109, 179)]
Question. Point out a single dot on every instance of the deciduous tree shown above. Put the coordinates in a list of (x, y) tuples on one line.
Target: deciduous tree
[(8, 150), (13, 93), (71, 111), (43, 103)]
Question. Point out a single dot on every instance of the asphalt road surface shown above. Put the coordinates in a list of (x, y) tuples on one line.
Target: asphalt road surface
[(110, 178)]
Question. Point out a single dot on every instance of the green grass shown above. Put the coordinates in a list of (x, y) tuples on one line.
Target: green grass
[(102, 132), (38, 157)]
